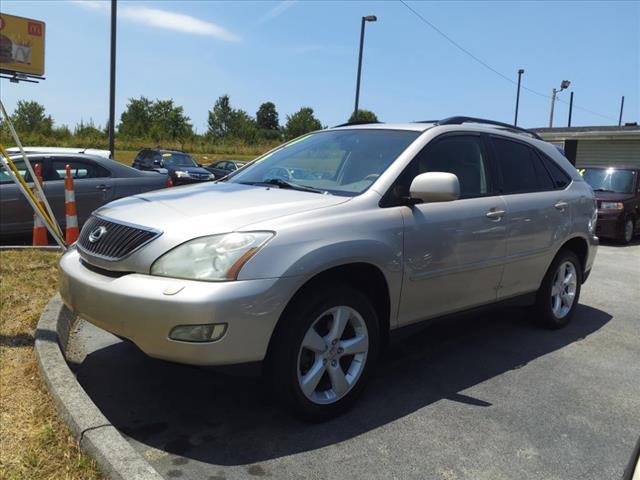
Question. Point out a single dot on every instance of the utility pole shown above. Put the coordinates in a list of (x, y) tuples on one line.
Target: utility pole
[(112, 80), (515, 120), (621, 109), (563, 85), (368, 18), (570, 109)]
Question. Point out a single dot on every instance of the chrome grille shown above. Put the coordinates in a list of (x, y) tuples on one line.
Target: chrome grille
[(117, 241)]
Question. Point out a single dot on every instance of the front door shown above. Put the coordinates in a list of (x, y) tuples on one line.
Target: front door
[(453, 251)]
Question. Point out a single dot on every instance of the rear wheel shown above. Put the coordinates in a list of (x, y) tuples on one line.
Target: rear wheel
[(560, 290), (324, 351)]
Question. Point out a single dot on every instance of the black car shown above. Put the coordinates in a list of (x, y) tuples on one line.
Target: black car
[(222, 168), (178, 165)]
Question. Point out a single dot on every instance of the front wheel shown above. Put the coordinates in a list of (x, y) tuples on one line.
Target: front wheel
[(627, 233), (324, 351), (559, 293)]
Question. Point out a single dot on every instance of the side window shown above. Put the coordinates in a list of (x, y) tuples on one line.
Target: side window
[(559, 176), (461, 155), (521, 168), (22, 169), (79, 169)]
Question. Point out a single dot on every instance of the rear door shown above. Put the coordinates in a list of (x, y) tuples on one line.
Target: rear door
[(93, 186), (538, 215)]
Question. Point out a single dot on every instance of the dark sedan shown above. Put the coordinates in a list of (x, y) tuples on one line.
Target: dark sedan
[(222, 168), (97, 180), (178, 165)]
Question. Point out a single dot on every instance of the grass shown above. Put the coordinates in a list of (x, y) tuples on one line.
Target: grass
[(34, 443)]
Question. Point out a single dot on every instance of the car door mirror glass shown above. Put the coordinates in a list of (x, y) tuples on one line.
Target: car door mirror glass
[(435, 187)]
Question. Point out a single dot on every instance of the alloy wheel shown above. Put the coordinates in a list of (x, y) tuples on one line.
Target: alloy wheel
[(333, 355), (563, 289)]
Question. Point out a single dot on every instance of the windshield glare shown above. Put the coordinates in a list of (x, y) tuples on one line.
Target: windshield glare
[(178, 160), (341, 162), (609, 179)]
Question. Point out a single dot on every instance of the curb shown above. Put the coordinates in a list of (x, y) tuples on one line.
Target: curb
[(95, 434)]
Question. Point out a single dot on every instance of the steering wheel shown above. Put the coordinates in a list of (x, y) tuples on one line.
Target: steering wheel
[(280, 173)]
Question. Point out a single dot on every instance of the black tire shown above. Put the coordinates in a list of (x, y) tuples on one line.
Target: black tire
[(282, 363), (545, 315), (627, 239)]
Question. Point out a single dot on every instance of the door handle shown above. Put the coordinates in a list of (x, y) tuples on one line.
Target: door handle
[(103, 187), (494, 214), (561, 205)]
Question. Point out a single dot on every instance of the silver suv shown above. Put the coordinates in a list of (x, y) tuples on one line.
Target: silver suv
[(309, 257)]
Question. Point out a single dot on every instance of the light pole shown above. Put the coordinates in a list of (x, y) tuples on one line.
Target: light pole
[(564, 85), (515, 121), (368, 18), (112, 79)]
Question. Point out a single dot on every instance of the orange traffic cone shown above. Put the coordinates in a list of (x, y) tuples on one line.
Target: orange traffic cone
[(39, 230), (71, 213)]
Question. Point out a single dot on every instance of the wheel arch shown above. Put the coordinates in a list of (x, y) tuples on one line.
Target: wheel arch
[(363, 276), (580, 247)]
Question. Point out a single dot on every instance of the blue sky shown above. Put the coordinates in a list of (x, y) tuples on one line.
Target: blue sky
[(304, 53)]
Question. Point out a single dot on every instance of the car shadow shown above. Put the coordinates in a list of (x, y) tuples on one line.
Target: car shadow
[(225, 420)]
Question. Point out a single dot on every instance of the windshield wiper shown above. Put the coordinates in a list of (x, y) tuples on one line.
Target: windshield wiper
[(278, 182), (603, 190)]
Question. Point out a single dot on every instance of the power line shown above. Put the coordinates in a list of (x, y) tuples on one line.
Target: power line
[(489, 67)]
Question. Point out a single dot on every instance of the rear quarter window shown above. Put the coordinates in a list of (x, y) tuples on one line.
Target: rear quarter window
[(560, 178)]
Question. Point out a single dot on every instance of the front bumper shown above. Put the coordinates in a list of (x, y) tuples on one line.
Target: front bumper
[(144, 309), (610, 225)]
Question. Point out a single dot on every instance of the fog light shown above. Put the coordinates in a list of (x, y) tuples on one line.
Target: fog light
[(199, 333)]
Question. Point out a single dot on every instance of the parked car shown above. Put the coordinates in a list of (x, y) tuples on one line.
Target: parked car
[(69, 150), (97, 180), (222, 168), (417, 221), (617, 190), (178, 165)]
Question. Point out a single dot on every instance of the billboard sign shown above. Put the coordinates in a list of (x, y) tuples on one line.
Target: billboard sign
[(21, 45)]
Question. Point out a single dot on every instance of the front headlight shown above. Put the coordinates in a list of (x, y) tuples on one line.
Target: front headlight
[(181, 174), (612, 206), (215, 258), (212, 176)]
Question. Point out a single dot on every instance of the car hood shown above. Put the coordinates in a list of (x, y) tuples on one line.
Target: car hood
[(612, 196), (210, 208)]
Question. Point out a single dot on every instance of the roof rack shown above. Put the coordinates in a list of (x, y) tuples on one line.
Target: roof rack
[(506, 126), (357, 122)]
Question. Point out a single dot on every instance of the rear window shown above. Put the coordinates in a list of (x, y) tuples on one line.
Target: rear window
[(560, 178), (522, 170)]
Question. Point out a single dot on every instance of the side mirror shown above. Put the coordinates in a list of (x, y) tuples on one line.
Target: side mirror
[(157, 162), (435, 187), (199, 164)]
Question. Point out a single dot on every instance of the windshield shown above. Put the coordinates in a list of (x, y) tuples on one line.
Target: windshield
[(609, 179), (178, 160), (341, 162)]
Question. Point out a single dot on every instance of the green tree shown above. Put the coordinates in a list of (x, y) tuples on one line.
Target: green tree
[(88, 130), (29, 117), (301, 122), (135, 121), (220, 117), (363, 116), (168, 122), (242, 126), (267, 117)]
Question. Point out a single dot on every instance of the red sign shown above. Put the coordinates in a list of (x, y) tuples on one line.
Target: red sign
[(34, 29)]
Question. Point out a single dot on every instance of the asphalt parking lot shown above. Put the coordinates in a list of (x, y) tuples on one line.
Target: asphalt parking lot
[(486, 396)]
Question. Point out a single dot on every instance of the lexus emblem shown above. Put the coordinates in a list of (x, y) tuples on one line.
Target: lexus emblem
[(97, 234)]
